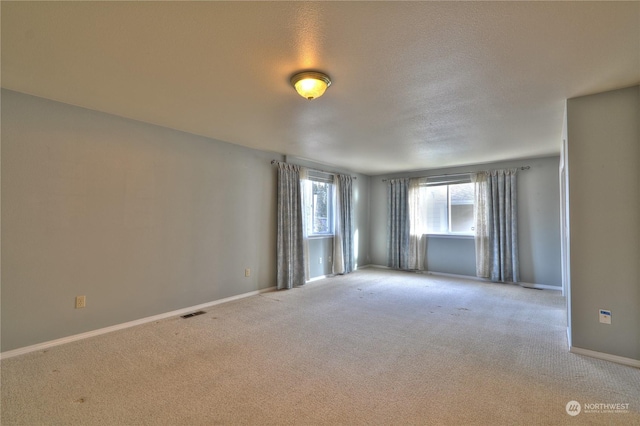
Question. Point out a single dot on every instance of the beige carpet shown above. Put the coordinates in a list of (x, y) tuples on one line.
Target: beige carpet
[(375, 347)]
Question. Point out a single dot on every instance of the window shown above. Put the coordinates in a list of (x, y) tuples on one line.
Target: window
[(448, 209), (318, 198)]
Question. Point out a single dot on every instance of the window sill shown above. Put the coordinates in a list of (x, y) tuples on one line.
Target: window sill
[(319, 237), (455, 236)]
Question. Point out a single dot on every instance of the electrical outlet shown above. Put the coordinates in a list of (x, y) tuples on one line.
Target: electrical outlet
[(329, 259), (320, 261), (247, 272), (81, 302), (605, 316)]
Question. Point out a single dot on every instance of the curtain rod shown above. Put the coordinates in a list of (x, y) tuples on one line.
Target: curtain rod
[(458, 174), (315, 170)]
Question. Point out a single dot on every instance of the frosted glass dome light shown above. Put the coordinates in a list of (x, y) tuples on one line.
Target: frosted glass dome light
[(310, 84)]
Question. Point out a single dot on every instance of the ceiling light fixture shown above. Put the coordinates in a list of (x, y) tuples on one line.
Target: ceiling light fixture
[(310, 84)]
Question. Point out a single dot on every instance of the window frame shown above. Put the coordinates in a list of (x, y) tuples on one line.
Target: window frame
[(327, 179), (449, 233)]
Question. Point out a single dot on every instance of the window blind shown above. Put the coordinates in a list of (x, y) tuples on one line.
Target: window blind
[(320, 176)]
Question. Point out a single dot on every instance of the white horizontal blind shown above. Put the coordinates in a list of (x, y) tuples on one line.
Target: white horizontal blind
[(447, 180), (320, 176)]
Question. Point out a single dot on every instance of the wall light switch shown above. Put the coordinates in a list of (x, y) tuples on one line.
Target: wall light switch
[(605, 316)]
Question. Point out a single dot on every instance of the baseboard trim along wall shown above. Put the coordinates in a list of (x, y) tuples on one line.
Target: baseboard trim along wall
[(370, 266), (521, 283), (606, 357), (322, 277), (540, 286), (75, 337), (471, 277), (319, 277)]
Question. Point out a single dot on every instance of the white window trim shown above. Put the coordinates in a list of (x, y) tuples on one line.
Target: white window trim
[(452, 235), (455, 181), (323, 177)]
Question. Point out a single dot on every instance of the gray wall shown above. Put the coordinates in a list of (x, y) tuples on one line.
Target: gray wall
[(141, 219), (538, 221), (320, 257), (451, 255), (604, 203)]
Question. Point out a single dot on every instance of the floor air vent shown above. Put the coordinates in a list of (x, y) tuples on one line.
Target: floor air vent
[(193, 314)]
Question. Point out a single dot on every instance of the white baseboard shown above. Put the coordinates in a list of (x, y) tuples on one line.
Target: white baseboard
[(364, 266), (606, 357), (445, 274), (374, 266), (357, 268), (320, 277), (540, 286), (472, 277), (75, 337)]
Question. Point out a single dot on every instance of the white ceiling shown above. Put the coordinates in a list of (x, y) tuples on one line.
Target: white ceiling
[(416, 85)]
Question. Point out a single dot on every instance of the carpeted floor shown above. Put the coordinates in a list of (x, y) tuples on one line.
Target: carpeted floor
[(373, 347)]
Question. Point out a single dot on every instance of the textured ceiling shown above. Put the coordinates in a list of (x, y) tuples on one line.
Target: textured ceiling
[(416, 85)]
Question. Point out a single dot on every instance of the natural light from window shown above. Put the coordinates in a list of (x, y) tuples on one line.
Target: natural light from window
[(448, 209), (318, 208)]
